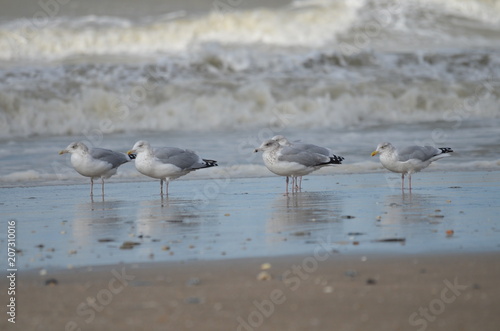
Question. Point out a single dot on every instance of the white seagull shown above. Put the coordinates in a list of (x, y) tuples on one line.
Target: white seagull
[(410, 159), (283, 141), (293, 162), (166, 163), (95, 162)]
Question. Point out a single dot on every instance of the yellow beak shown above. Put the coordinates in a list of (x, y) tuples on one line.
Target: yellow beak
[(63, 152), (374, 153), (132, 151)]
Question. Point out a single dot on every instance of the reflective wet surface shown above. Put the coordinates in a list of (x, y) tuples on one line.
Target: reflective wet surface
[(60, 226)]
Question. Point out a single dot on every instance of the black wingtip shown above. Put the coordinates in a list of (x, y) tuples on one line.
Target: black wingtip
[(446, 150), (210, 163), (334, 159), (132, 156)]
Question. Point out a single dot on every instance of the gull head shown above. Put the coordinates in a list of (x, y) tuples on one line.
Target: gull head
[(281, 140), (267, 145), (382, 147), (140, 146), (74, 148)]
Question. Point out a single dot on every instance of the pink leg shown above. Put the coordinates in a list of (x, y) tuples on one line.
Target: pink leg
[(102, 187)]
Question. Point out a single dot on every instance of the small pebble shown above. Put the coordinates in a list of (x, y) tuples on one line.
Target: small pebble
[(371, 281), (43, 272), (72, 252), (193, 300), (327, 289), (449, 233), (129, 245), (264, 276), (193, 281), (105, 240), (301, 233), (265, 266), (165, 248), (51, 282)]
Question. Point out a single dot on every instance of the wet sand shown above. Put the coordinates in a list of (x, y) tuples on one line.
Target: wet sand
[(349, 252), (59, 226)]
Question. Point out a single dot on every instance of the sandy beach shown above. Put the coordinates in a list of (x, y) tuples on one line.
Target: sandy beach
[(321, 291)]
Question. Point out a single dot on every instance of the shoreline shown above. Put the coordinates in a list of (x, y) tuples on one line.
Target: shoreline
[(138, 178)]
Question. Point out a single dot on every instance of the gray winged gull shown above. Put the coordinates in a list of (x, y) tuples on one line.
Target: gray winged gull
[(166, 163), (409, 159)]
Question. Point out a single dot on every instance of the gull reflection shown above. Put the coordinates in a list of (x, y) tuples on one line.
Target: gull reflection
[(301, 214), (159, 217), (95, 220), (408, 208)]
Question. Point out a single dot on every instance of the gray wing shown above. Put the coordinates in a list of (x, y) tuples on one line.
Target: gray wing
[(313, 148), (422, 153), (306, 158), (182, 158), (114, 158)]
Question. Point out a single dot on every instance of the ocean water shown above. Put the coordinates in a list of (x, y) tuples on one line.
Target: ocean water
[(220, 76)]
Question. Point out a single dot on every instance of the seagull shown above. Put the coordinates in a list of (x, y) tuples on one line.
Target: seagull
[(410, 159), (293, 162), (95, 162), (166, 163), (283, 141)]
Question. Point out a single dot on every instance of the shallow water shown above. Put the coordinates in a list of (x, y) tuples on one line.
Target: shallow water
[(35, 161), (210, 219)]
